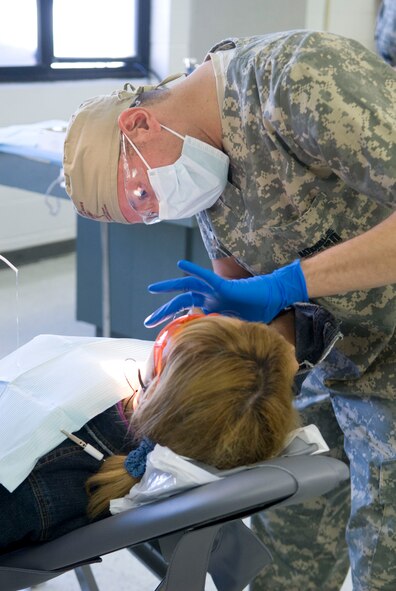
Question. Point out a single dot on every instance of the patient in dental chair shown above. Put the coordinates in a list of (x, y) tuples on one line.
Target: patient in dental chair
[(218, 390)]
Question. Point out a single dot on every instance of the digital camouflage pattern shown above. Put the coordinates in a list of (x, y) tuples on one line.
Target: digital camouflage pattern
[(308, 541), (312, 163), (309, 125)]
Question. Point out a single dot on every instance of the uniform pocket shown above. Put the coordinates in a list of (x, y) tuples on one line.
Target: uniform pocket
[(387, 483), (327, 221)]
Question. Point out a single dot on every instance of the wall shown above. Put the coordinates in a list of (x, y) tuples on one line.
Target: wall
[(188, 28), (351, 18), (180, 28), (213, 21)]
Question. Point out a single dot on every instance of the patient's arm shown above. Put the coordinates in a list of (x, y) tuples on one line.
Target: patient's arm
[(284, 324)]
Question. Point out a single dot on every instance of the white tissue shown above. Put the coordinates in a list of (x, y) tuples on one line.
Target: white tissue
[(54, 383), (167, 473)]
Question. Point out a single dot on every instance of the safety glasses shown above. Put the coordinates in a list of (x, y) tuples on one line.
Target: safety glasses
[(170, 330), (138, 193), (166, 333)]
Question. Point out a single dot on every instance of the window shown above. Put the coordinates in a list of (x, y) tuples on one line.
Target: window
[(73, 39)]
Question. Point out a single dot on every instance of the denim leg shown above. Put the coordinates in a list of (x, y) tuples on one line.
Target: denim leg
[(52, 500), (369, 426), (307, 541), (18, 516)]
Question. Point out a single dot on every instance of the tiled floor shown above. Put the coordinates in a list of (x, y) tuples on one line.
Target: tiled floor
[(118, 572), (46, 305)]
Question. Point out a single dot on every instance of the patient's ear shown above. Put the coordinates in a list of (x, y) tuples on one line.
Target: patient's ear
[(138, 124)]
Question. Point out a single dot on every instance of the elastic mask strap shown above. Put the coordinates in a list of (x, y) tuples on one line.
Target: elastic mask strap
[(182, 137), (137, 151)]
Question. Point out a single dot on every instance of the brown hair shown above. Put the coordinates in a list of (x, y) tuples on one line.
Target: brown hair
[(224, 398)]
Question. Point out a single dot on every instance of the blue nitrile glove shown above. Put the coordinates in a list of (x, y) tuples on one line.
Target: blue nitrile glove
[(259, 298)]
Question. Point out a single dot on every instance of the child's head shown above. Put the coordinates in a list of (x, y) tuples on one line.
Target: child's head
[(224, 395), (220, 393)]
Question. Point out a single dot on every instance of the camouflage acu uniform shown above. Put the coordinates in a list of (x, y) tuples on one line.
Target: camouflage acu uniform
[(309, 125)]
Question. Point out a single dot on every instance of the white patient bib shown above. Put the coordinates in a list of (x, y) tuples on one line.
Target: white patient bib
[(53, 383), (168, 473)]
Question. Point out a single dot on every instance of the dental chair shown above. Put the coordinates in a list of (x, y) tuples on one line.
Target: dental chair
[(183, 537)]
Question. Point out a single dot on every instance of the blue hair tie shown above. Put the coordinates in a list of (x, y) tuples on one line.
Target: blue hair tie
[(135, 462)]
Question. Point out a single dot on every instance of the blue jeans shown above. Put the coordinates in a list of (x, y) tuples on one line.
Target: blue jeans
[(52, 500)]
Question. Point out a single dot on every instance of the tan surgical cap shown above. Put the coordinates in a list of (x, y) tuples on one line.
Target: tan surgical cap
[(91, 152)]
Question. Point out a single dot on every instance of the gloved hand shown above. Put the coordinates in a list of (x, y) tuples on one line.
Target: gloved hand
[(259, 298)]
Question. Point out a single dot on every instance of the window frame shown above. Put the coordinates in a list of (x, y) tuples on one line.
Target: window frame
[(136, 67)]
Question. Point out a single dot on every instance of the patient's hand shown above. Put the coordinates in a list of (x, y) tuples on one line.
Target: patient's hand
[(284, 324)]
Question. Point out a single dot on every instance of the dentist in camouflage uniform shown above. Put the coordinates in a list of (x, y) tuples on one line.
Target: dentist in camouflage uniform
[(301, 208)]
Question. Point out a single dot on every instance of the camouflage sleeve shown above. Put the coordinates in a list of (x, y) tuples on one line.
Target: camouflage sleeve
[(212, 247), (334, 106)]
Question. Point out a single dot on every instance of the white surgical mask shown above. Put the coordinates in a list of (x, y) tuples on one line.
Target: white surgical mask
[(193, 183)]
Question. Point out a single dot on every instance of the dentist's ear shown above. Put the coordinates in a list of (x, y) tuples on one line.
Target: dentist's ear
[(138, 123)]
